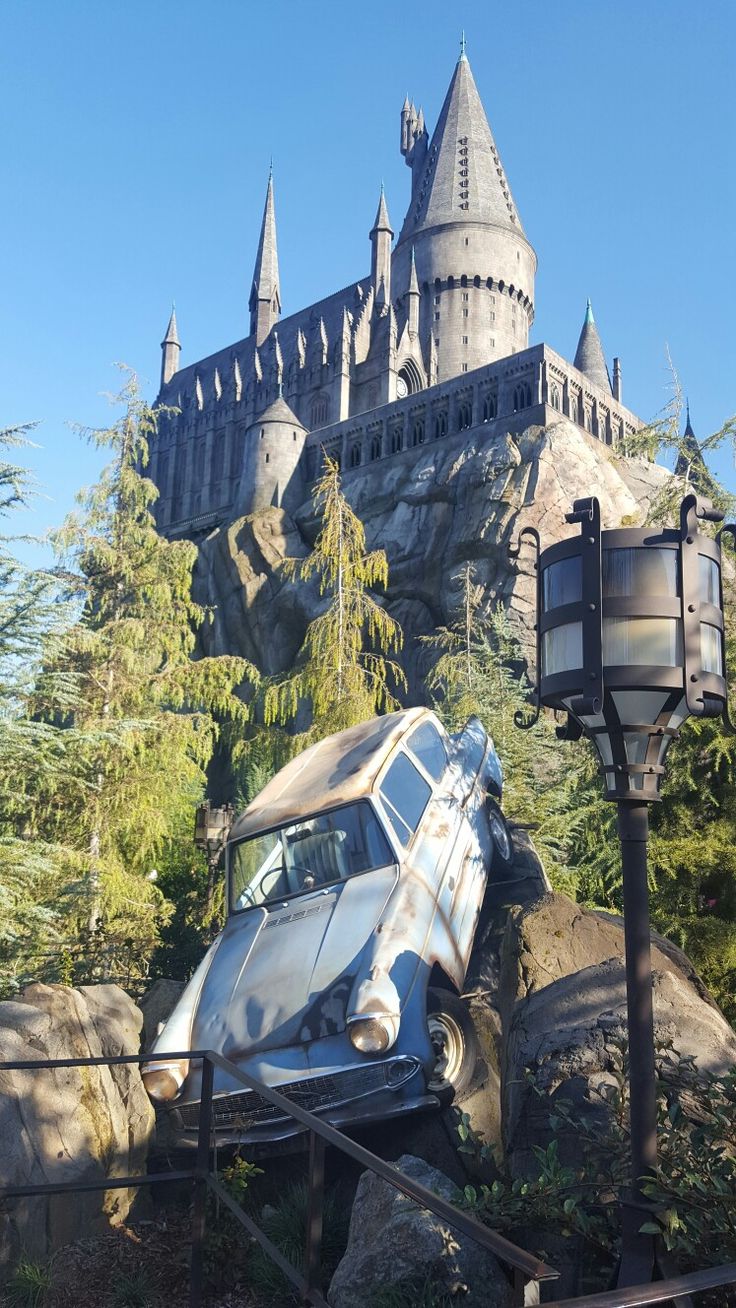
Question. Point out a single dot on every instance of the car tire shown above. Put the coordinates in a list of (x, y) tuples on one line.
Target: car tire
[(455, 1042), (503, 845)]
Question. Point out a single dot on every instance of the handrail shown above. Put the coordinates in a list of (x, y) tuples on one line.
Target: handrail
[(526, 1266), (637, 1296)]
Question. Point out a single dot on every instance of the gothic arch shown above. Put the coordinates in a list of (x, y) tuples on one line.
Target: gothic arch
[(411, 376)]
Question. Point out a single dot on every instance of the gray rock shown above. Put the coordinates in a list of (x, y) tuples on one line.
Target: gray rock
[(156, 1005), (392, 1241), (69, 1124)]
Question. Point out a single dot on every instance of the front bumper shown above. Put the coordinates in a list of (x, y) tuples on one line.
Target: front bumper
[(347, 1097)]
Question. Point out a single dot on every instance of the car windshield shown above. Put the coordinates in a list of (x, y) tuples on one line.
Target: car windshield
[(307, 854)]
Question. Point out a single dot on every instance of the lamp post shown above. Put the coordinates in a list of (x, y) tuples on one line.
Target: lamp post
[(629, 644), (211, 830)]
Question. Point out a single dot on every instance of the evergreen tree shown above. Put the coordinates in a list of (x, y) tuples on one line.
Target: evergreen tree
[(344, 672), (141, 712)]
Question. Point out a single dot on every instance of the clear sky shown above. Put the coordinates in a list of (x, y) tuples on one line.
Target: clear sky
[(136, 145)]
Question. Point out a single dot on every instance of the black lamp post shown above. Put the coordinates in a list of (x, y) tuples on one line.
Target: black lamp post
[(211, 830), (629, 644)]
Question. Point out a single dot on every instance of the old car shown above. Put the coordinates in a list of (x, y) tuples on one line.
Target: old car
[(354, 882)]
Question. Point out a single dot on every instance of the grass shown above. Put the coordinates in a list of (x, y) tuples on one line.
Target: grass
[(285, 1224), (29, 1285), (413, 1292)]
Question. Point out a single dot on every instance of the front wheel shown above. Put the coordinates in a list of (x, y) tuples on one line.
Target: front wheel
[(454, 1041), (503, 845)]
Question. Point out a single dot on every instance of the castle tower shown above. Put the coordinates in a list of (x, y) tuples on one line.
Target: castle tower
[(170, 350), (589, 356), (381, 237), (474, 263), (273, 448), (265, 295)]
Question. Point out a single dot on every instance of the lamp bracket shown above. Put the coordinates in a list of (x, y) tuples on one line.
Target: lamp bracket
[(696, 508), (586, 510), (572, 729), (586, 706)]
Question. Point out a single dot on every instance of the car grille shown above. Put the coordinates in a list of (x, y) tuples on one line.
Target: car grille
[(248, 1109)]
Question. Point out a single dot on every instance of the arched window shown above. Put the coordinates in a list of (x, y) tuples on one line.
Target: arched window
[(355, 455), (489, 407), (397, 440), (463, 281), (554, 395), (440, 425), (318, 411), (218, 457), (409, 380), (375, 448), (464, 415), (417, 433)]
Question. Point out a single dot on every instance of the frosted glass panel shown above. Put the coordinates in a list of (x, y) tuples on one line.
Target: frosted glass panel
[(710, 592), (562, 583), (635, 746), (711, 655), (642, 640), (640, 572), (637, 706), (562, 648)]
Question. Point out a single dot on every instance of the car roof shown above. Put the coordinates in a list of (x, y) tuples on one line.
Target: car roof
[(337, 770)]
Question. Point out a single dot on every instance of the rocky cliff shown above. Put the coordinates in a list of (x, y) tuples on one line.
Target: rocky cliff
[(432, 509)]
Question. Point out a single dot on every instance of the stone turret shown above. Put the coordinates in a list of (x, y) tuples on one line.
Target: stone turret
[(472, 257), (589, 356), (273, 451), (381, 237), (265, 295), (170, 350)]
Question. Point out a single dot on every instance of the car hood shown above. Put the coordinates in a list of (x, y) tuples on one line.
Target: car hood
[(283, 977)]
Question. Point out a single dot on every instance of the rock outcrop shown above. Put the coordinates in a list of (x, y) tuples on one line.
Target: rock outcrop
[(394, 1243), (69, 1124), (458, 500), (562, 999), (156, 1005)]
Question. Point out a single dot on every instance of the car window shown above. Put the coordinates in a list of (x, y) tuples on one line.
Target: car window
[(427, 745), (405, 795), (304, 855)]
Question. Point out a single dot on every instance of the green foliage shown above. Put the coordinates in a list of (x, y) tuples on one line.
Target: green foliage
[(132, 1290), (693, 1193), (414, 1292), (112, 730), (29, 1285), (344, 670), (285, 1224)]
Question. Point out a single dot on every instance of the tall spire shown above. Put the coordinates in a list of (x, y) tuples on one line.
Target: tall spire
[(462, 178), (690, 462), (170, 347), (381, 236), (265, 296), (413, 296), (589, 356)]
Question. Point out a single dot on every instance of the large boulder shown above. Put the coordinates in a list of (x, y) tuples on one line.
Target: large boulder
[(562, 999), (69, 1124), (392, 1242)]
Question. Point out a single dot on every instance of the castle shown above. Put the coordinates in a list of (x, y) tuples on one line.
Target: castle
[(434, 341)]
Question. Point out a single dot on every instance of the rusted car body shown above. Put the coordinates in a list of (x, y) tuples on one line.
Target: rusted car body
[(354, 881)]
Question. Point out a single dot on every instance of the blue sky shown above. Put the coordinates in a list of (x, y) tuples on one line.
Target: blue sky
[(137, 139)]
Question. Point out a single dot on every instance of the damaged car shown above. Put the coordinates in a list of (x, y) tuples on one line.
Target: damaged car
[(354, 885)]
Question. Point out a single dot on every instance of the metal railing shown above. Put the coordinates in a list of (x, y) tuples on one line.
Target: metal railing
[(527, 1271)]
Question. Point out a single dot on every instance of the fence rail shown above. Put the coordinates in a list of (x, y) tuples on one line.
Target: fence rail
[(527, 1271)]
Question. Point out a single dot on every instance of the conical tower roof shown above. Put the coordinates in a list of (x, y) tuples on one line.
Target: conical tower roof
[(589, 356), (463, 178), (382, 223), (279, 411), (172, 333), (266, 272), (690, 460)]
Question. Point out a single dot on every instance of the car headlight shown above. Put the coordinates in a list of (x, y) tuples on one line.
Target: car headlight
[(373, 1035), (163, 1081)]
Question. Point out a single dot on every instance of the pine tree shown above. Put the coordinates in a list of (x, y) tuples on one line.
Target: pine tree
[(344, 672), (142, 711)]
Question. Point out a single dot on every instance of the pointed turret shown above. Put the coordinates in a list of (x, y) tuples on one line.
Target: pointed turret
[(589, 356), (381, 236), (171, 349), (468, 236), (265, 295), (412, 298), (690, 462)]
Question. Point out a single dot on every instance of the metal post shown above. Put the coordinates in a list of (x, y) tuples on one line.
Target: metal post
[(199, 1201), (638, 1252), (315, 1210)]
